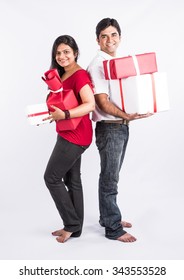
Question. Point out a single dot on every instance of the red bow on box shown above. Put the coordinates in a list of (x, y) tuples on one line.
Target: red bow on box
[(63, 99), (52, 79)]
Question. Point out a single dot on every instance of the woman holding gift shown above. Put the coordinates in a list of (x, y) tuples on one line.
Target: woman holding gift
[(62, 175)]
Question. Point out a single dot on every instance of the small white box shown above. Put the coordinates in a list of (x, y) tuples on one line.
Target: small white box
[(36, 113)]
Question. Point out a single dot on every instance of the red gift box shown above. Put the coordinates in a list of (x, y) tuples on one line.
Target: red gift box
[(128, 66), (63, 99)]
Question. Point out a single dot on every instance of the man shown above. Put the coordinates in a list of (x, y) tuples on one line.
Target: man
[(112, 132)]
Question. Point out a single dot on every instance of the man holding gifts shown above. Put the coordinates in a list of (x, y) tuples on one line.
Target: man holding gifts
[(112, 132)]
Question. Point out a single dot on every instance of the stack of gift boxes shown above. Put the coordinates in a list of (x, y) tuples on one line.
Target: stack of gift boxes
[(63, 99), (137, 86)]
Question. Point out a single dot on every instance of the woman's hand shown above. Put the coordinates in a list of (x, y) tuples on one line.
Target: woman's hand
[(56, 115)]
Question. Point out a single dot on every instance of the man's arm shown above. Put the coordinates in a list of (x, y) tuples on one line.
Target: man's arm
[(108, 107)]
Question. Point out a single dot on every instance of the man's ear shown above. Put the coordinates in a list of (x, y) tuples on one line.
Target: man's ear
[(98, 41)]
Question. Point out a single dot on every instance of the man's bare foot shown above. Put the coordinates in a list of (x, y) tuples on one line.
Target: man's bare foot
[(126, 238), (57, 232), (65, 235), (126, 224)]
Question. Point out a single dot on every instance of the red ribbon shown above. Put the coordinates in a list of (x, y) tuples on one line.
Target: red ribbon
[(37, 114), (121, 94), (154, 94)]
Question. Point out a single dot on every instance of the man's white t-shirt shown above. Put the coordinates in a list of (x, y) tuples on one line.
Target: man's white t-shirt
[(101, 85)]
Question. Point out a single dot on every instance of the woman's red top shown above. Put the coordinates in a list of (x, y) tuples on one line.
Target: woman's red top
[(82, 135)]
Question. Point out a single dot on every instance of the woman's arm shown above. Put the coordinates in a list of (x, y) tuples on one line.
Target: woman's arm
[(87, 106)]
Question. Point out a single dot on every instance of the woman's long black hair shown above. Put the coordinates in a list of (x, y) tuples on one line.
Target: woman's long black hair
[(67, 40)]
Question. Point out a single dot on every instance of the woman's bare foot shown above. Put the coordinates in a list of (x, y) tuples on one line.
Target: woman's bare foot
[(57, 232), (65, 235), (126, 224), (126, 238)]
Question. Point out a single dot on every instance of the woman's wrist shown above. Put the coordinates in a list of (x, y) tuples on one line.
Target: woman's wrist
[(67, 114)]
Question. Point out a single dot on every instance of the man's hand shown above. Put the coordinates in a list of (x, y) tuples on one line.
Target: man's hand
[(136, 116), (108, 107)]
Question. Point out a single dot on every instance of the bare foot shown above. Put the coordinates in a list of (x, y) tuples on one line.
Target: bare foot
[(65, 235), (126, 238), (126, 224), (57, 232)]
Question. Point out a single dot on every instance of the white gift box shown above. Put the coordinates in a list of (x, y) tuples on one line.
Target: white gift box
[(141, 94), (36, 113)]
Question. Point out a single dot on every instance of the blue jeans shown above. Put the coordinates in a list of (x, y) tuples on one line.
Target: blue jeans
[(63, 179), (111, 141)]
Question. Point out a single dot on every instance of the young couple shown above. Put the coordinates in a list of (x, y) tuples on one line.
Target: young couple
[(63, 175)]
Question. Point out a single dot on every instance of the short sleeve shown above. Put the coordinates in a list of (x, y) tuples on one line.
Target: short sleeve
[(82, 78), (98, 79)]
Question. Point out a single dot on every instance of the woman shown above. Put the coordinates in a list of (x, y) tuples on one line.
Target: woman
[(62, 175)]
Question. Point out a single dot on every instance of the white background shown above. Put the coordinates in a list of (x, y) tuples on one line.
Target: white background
[(151, 187)]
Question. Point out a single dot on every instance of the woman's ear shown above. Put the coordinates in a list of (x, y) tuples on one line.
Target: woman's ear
[(76, 55)]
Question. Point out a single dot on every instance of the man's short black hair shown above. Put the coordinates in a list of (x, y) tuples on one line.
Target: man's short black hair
[(106, 22)]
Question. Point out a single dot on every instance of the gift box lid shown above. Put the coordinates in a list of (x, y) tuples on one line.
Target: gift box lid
[(132, 65)]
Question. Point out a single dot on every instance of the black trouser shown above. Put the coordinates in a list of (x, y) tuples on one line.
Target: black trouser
[(63, 179)]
